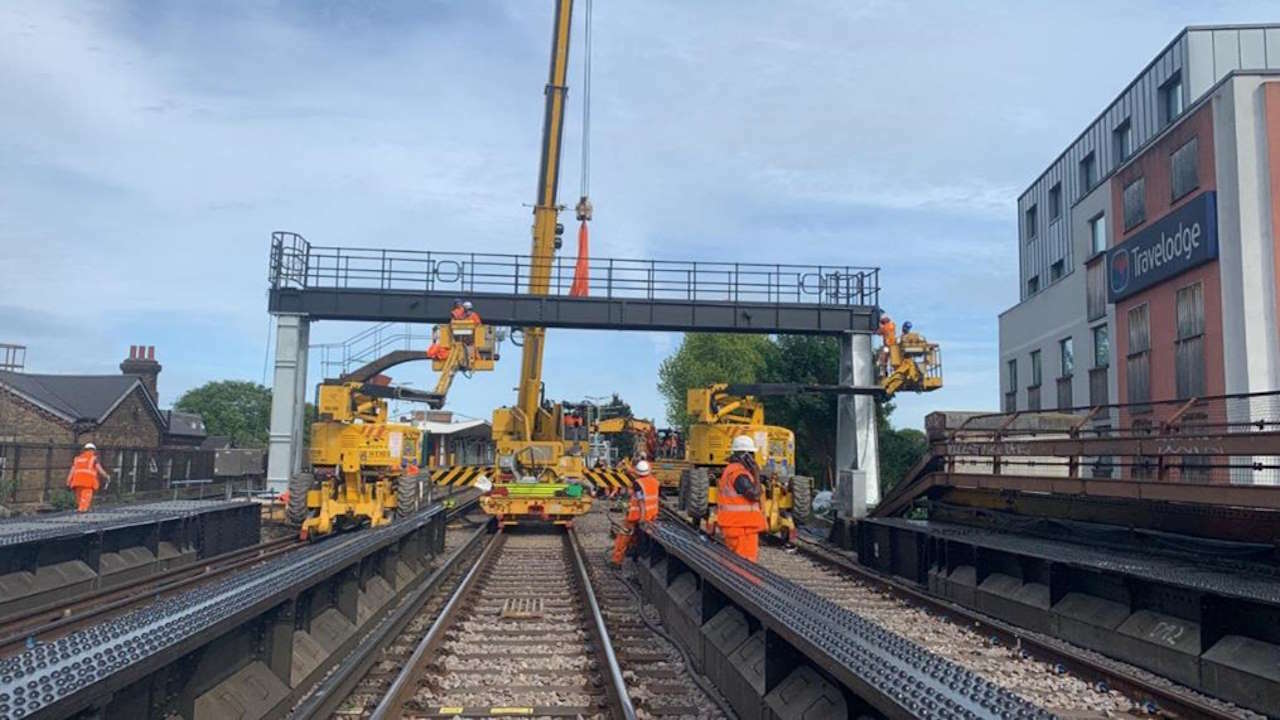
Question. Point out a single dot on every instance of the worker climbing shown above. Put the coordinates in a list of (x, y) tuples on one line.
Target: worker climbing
[(642, 508), (83, 476), (738, 512)]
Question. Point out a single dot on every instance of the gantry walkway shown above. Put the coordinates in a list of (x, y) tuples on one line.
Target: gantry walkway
[(335, 283)]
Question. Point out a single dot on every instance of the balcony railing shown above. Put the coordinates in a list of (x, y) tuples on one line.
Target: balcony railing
[(297, 264)]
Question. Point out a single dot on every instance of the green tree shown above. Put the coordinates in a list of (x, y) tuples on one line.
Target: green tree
[(900, 449), (238, 409), (812, 417), (706, 358)]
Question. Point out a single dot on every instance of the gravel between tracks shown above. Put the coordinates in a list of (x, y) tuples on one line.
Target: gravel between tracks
[(656, 676), (1036, 681)]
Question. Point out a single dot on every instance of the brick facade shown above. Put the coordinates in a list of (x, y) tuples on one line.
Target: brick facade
[(133, 423), (22, 421)]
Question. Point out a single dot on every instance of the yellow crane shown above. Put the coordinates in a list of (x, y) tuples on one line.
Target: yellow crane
[(539, 475)]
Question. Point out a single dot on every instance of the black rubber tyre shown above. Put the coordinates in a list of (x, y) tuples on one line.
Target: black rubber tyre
[(696, 495), (801, 498), (299, 484), (406, 495)]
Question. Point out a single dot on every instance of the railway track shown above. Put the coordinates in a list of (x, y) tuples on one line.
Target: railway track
[(521, 634), (1049, 672), (54, 620)]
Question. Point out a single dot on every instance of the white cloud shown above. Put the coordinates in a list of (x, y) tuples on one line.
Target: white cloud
[(154, 148)]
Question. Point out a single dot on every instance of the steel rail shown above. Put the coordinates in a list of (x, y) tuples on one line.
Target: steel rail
[(406, 682), (1165, 700), (133, 647), (324, 698), (617, 685), (897, 677), (100, 602), (402, 688)]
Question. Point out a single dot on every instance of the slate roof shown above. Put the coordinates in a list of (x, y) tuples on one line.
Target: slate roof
[(73, 397), (184, 424)]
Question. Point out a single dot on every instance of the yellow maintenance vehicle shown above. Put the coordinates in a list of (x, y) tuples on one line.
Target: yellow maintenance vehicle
[(363, 466), (720, 413), (540, 473)]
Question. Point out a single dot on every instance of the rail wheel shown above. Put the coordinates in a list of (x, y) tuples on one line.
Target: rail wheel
[(299, 484), (801, 498), (406, 494), (696, 494)]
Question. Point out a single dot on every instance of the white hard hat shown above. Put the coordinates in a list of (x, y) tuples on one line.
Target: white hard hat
[(90, 446), (642, 467), (467, 304), (483, 483), (743, 443)]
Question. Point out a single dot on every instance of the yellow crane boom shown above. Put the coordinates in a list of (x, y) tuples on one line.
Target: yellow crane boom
[(545, 224)]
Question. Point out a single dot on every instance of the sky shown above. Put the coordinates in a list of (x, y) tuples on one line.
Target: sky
[(147, 151)]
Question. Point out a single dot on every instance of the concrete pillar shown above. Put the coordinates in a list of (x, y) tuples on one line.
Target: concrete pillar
[(864, 375), (857, 446), (288, 400)]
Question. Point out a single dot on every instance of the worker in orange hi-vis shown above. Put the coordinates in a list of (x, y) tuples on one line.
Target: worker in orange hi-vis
[(457, 312), (469, 314), (83, 476), (738, 513), (888, 333), (643, 508)]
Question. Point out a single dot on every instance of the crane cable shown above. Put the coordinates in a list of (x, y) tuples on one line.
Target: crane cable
[(586, 107), (581, 271)]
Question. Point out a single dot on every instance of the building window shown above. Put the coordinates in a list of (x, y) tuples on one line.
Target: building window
[(1088, 173), (1095, 281), (1055, 202), (1122, 141), (1031, 222), (1172, 102), (1011, 392), (1098, 233), (1101, 347), (1033, 285), (1067, 366), (1035, 368), (1138, 360), (1184, 175), (1098, 381), (1055, 270), (1189, 347), (1135, 205)]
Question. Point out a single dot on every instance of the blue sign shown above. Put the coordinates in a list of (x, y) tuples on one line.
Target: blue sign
[(1172, 245)]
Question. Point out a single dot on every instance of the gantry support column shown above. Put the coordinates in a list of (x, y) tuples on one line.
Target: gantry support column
[(857, 445), (288, 400)]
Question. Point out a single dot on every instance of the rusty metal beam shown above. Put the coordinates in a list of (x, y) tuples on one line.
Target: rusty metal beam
[(1238, 444)]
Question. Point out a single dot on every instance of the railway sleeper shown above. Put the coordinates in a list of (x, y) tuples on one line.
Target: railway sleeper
[(1212, 630), (778, 652)]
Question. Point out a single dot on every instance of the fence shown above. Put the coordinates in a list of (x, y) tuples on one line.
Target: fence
[(33, 474), (1219, 439), (296, 263)]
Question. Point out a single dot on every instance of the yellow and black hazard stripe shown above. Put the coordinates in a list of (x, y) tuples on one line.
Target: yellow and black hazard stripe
[(461, 475), (607, 479)]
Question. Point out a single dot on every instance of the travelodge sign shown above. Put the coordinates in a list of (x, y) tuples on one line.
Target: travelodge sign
[(1175, 243)]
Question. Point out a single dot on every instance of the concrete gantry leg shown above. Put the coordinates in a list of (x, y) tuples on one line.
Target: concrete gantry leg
[(857, 446), (864, 375), (288, 400)]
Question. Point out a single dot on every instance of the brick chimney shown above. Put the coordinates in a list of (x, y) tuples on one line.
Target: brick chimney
[(142, 362)]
